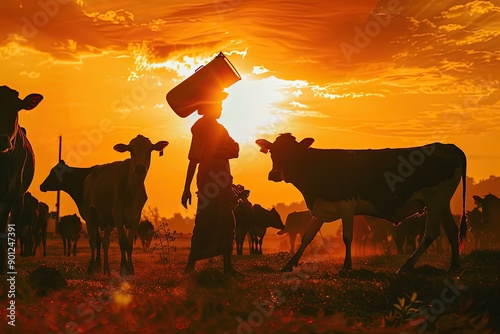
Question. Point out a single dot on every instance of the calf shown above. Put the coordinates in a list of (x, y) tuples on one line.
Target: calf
[(70, 228), (263, 219), (70, 180), (114, 196), (490, 205), (145, 231)]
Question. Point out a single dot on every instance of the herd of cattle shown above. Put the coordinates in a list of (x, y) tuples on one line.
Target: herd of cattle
[(404, 193)]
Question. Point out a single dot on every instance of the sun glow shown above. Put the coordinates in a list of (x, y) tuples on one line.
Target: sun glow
[(254, 107)]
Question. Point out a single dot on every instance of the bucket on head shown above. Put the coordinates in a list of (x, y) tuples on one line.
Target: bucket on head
[(219, 73)]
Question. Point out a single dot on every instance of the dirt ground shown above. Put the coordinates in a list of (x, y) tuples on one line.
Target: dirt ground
[(315, 298)]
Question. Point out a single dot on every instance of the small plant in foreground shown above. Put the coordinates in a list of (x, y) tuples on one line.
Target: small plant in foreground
[(164, 237), (403, 310)]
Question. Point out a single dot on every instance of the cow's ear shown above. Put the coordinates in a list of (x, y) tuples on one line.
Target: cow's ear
[(307, 142), (265, 145), (160, 145), (121, 148), (31, 101)]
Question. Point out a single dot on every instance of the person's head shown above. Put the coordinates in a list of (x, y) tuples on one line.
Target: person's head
[(211, 105)]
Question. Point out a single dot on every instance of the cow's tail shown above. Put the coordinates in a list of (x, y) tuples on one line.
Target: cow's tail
[(463, 223)]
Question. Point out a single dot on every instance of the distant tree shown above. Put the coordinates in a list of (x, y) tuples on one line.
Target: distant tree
[(153, 215)]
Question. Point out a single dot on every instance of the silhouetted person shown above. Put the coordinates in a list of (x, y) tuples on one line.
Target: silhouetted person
[(211, 148)]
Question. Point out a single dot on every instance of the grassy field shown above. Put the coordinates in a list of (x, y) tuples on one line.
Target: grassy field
[(312, 299)]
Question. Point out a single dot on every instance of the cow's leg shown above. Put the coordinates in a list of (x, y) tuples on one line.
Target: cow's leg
[(122, 241), (130, 249), (451, 230), (252, 242), (347, 232), (309, 235), (261, 240), (44, 242), (107, 234), (98, 244), (74, 247), (239, 245), (432, 230), (69, 248), (64, 246), (94, 241), (293, 236), (92, 230), (239, 239)]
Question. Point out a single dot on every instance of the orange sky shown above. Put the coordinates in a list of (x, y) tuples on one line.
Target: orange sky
[(351, 74)]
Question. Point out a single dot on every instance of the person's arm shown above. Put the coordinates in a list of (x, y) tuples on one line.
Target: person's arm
[(229, 149), (186, 195)]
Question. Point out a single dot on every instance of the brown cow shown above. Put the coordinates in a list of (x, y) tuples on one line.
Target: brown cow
[(389, 183), (70, 227), (17, 164), (114, 195), (70, 180)]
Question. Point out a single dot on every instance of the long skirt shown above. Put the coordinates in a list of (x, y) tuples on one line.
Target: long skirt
[(214, 225)]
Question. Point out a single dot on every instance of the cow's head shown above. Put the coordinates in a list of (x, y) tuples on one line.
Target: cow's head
[(490, 205), (10, 104), (55, 180), (276, 221), (140, 149), (284, 152)]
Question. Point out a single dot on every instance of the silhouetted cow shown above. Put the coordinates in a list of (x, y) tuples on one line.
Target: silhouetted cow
[(390, 183), (145, 231), (296, 222), (30, 218), (476, 227), (70, 228), (40, 229), (114, 196), (243, 216), (380, 231), (16, 159), (263, 219), (70, 180), (490, 206)]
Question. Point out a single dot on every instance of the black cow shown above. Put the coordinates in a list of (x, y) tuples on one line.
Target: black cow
[(262, 219), (476, 227), (145, 231), (70, 228), (30, 218), (16, 159), (389, 183), (40, 229), (70, 180), (490, 206), (243, 216)]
